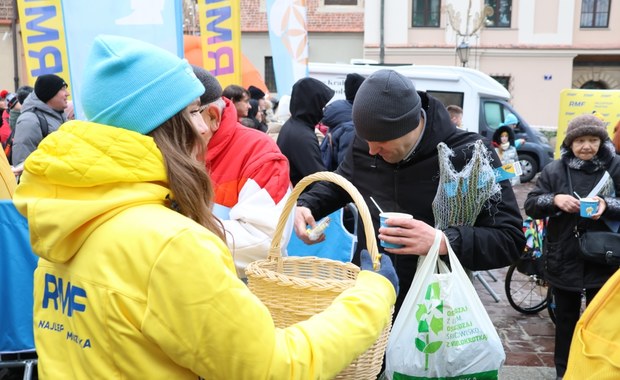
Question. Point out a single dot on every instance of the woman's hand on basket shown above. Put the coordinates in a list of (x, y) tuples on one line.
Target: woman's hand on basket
[(416, 237), (386, 268), (304, 218)]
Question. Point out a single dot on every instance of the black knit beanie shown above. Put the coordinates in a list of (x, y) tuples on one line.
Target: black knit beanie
[(386, 107), (585, 125), (213, 89), (256, 93), (23, 92), (47, 86), (351, 84)]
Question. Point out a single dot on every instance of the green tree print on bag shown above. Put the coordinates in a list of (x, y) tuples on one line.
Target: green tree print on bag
[(429, 309), (442, 330)]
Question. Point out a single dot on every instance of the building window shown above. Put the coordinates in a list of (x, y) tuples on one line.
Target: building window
[(340, 2), (426, 13), (595, 85), (502, 10), (270, 75), (595, 13), (338, 6), (503, 80), (448, 98)]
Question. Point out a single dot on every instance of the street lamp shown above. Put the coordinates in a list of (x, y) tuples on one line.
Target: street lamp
[(463, 52)]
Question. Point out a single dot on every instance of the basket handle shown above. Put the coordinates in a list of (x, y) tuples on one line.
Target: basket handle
[(371, 242)]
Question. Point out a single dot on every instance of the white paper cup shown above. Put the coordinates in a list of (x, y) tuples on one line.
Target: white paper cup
[(392, 215)]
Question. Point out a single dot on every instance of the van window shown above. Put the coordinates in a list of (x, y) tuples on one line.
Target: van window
[(447, 97), (493, 114)]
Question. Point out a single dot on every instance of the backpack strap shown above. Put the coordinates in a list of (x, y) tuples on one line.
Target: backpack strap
[(9, 139), (8, 146), (42, 121)]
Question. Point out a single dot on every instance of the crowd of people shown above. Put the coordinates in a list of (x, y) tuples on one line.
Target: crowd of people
[(167, 196), (156, 293)]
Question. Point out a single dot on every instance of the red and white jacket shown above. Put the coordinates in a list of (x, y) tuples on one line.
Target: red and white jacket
[(251, 180)]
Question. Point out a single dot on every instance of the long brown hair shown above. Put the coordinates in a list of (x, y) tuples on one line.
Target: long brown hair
[(189, 182)]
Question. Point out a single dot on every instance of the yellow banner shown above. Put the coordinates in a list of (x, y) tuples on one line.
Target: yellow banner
[(43, 36), (574, 102), (220, 36)]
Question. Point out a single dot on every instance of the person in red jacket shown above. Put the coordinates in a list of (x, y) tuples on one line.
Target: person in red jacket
[(249, 173), (5, 129)]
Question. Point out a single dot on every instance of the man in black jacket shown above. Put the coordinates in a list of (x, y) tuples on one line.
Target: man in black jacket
[(394, 160), (297, 139)]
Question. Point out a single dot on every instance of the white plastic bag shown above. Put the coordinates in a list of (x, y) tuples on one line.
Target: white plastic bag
[(442, 329)]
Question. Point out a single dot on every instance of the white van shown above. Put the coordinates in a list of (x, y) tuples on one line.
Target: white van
[(483, 99)]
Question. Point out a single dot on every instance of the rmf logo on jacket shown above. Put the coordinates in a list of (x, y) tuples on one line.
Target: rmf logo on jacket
[(67, 297)]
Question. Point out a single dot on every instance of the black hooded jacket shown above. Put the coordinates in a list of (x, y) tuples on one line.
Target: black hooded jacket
[(564, 268), (297, 140), (410, 186)]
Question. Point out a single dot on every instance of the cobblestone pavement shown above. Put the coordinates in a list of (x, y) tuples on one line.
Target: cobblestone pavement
[(528, 339)]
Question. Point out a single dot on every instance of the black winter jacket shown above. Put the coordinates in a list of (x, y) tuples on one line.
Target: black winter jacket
[(297, 140), (409, 186), (564, 268)]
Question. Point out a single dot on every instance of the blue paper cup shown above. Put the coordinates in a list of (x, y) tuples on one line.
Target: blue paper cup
[(392, 215), (588, 207)]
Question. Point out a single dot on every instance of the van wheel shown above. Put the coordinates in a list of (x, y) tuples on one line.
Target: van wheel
[(529, 166)]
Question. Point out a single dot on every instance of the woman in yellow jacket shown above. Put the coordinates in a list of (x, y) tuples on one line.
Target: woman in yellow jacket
[(7, 178), (135, 280)]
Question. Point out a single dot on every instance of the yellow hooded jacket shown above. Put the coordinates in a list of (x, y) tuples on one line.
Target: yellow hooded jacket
[(127, 288), (7, 178)]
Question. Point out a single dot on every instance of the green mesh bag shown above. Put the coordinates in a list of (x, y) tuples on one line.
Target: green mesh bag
[(462, 194)]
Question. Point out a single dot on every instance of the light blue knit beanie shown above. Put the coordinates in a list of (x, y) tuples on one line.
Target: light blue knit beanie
[(134, 85)]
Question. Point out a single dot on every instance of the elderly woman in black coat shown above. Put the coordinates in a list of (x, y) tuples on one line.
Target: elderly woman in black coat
[(587, 154)]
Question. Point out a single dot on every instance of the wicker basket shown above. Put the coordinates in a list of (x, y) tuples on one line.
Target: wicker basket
[(296, 288)]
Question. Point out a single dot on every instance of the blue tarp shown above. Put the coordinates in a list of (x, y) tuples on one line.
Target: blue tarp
[(17, 264)]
